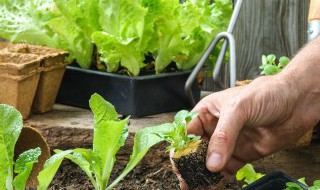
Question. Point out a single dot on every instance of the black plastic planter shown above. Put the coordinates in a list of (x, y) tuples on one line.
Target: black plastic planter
[(135, 96), (273, 181)]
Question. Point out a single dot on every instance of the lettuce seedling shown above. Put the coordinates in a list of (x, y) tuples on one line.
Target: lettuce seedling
[(248, 175), (109, 136), (189, 152), (294, 186), (269, 65), (13, 175), (177, 136)]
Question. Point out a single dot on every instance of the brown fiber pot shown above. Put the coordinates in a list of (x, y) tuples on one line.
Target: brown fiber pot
[(304, 140), (52, 69), (31, 138), (19, 76)]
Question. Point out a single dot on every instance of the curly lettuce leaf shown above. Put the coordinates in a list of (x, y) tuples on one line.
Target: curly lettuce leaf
[(212, 19), (248, 174), (25, 21), (83, 14), (43, 23), (119, 42), (74, 41), (115, 51), (23, 167)]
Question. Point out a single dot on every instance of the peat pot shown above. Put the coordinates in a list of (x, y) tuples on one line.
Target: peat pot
[(19, 76), (135, 96), (52, 67)]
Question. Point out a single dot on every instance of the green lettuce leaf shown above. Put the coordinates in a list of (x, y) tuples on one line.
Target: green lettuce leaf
[(23, 167), (73, 40), (211, 20), (51, 167), (143, 141), (103, 110), (83, 14), (10, 128), (115, 50), (248, 174), (82, 157), (21, 21), (119, 42), (109, 136)]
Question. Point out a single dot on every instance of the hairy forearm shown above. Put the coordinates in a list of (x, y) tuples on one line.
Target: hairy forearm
[(304, 69), (303, 74)]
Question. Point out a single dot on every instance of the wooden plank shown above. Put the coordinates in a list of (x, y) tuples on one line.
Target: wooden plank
[(263, 27), (269, 26)]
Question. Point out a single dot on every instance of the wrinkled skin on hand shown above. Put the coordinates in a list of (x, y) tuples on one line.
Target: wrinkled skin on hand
[(244, 124), (254, 121)]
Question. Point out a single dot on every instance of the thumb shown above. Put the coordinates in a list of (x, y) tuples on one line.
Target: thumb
[(224, 137)]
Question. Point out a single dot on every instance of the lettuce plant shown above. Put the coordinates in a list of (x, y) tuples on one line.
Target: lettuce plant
[(270, 66), (167, 29), (123, 31), (54, 23), (110, 134), (13, 175), (177, 137), (248, 175)]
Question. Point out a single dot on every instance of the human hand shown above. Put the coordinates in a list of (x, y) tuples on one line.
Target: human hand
[(244, 124)]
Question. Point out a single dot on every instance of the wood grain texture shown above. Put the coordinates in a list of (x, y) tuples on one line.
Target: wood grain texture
[(264, 27)]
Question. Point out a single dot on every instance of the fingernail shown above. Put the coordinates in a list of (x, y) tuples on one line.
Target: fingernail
[(214, 161)]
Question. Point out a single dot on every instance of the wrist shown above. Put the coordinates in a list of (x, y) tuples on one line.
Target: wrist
[(303, 78)]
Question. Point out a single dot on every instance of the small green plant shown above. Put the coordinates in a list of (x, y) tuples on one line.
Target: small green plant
[(13, 175), (178, 137), (294, 186), (248, 175), (189, 152), (110, 135), (269, 65)]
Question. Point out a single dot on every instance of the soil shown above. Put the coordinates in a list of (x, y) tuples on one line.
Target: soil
[(153, 172)]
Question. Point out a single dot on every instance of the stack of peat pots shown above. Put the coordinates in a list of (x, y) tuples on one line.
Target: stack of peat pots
[(30, 76)]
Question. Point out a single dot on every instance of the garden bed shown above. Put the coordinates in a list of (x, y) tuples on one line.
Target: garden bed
[(153, 172)]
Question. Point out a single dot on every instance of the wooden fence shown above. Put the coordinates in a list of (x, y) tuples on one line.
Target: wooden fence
[(263, 27)]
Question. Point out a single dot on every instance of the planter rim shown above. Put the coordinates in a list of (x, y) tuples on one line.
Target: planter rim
[(13, 64), (153, 76)]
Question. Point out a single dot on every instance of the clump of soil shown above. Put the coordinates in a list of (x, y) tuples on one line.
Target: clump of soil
[(192, 166)]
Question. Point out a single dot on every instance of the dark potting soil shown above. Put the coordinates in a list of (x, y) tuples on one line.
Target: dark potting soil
[(154, 172)]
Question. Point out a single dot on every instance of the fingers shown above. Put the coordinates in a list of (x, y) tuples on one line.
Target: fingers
[(223, 140)]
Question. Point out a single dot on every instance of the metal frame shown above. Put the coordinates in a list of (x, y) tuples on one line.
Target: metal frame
[(228, 40)]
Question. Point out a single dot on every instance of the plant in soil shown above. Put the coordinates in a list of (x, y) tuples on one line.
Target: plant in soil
[(248, 175), (110, 134), (124, 32), (13, 175), (189, 152), (270, 66)]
